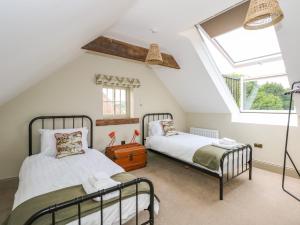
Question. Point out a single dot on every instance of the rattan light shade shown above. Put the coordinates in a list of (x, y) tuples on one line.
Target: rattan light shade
[(262, 14), (154, 57)]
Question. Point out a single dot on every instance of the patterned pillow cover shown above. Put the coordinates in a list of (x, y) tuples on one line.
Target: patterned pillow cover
[(68, 144), (168, 127)]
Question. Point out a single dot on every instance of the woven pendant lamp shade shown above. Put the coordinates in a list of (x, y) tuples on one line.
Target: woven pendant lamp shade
[(262, 14), (154, 57)]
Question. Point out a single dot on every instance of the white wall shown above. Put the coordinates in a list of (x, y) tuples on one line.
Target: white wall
[(288, 32), (271, 136), (72, 90), (39, 37)]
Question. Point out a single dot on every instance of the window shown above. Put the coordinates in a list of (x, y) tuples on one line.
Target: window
[(115, 102), (251, 64), (266, 93), (242, 45)]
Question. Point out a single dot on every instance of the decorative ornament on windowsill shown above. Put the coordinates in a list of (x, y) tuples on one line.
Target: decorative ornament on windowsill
[(136, 133), (112, 135), (262, 14)]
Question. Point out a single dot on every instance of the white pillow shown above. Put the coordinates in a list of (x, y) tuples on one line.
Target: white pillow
[(48, 141), (155, 128)]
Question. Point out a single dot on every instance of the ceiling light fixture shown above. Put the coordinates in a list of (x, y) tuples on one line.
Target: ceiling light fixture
[(154, 56), (262, 14)]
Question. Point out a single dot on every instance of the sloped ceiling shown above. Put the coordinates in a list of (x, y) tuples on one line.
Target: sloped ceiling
[(191, 85), (37, 37)]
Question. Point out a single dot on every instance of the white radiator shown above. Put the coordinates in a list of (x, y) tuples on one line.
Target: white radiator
[(204, 132)]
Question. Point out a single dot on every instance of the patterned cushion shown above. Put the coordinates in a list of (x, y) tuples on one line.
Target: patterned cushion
[(168, 127), (68, 144)]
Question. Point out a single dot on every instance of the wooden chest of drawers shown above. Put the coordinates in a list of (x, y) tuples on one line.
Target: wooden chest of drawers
[(129, 156)]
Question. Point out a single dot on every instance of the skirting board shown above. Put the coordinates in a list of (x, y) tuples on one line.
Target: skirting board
[(274, 168), (8, 181)]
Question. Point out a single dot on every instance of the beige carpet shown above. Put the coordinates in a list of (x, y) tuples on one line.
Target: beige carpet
[(189, 197), (7, 192)]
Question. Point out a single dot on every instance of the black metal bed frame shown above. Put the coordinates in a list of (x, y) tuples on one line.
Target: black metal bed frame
[(53, 209), (236, 169), (295, 90), (54, 120)]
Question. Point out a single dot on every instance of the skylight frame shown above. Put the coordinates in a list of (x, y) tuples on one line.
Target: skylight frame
[(245, 62), (207, 40)]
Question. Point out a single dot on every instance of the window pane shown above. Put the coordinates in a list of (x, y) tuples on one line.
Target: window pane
[(114, 101), (123, 95), (117, 108), (108, 108), (123, 102), (110, 94), (117, 95), (104, 93), (266, 94), (242, 45), (123, 108)]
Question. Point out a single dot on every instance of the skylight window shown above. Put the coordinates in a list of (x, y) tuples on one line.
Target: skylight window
[(252, 67), (250, 63), (242, 45)]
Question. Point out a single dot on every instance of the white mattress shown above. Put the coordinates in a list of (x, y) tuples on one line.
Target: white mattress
[(41, 174), (183, 147)]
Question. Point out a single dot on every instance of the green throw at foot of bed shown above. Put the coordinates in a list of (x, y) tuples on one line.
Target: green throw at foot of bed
[(24, 211), (209, 156)]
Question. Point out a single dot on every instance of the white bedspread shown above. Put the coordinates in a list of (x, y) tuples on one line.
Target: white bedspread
[(41, 174), (182, 146)]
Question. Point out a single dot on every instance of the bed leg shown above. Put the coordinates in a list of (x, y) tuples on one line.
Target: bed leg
[(250, 170), (250, 164), (151, 206), (221, 187)]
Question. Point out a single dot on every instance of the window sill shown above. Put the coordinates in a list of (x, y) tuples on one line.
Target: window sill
[(265, 119), (270, 112), (108, 122)]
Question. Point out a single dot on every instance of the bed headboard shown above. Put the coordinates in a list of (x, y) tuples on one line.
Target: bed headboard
[(152, 117), (58, 122)]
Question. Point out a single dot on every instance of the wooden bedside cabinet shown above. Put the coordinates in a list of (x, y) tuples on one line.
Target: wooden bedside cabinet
[(129, 156)]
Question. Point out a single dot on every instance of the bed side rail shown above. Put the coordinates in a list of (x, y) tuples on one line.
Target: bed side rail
[(77, 201)]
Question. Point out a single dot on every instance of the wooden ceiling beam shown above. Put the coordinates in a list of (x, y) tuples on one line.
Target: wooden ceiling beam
[(125, 50)]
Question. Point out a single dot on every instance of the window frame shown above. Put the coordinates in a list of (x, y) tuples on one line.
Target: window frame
[(245, 111), (239, 109), (246, 62), (116, 116)]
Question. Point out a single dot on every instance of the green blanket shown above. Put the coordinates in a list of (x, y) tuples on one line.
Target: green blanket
[(22, 213), (209, 156)]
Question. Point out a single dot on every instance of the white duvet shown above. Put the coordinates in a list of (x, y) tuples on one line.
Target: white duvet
[(183, 147), (41, 174)]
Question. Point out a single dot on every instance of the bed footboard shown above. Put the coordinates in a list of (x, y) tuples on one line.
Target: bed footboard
[(52, 210), (233, 164)]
